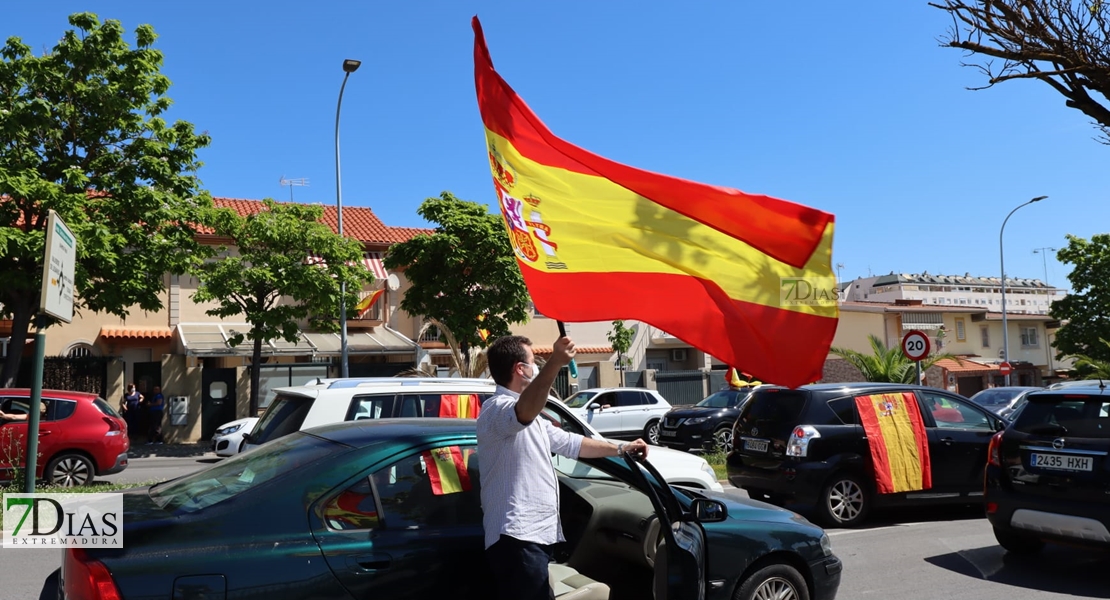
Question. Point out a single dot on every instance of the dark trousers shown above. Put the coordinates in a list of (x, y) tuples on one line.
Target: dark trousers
[(520, 569), (155, 426)]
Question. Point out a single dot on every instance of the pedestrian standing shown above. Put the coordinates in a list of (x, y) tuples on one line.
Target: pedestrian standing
[(131, 400), (520, 492), (155, 408)]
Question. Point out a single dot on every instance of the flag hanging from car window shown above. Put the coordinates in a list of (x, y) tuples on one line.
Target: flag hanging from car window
[(447, 470), (745, 278), (897, 440)]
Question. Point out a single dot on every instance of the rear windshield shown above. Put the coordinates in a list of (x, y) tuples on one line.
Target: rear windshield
[(1062, 415), (994, 398), (106, 408), (241, 473), (775, 405), (285, 415)]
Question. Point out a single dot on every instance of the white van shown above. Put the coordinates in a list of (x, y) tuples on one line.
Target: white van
[(327, 401)]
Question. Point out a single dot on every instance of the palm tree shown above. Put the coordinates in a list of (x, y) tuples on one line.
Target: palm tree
[(473, 368), (1092, 368), (885, 364)]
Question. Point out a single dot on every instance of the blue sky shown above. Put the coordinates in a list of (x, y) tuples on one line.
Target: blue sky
[(851, 108)]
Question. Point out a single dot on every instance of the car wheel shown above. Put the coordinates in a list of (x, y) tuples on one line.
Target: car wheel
[(844, 502), (70, 470), (1017, 543), (774, 582), (722, 438), (651, 433)]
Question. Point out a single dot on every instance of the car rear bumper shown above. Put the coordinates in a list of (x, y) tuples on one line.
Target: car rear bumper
[(787, 479), (120, 464), (1051, 518)]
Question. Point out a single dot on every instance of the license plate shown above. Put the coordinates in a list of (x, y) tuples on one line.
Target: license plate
[(666, 433), (1061, 462), (756, 445)]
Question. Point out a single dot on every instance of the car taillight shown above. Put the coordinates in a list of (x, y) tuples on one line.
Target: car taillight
[(113, 426), (798, 444), (87, 579), (994, 450)]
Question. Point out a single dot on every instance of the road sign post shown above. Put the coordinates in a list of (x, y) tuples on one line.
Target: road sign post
[(55, 300), (915, 346)]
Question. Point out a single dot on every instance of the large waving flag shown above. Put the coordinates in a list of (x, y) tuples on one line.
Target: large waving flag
[(745, 278), (897, 439)]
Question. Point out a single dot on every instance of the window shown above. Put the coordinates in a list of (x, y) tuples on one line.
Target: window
[(80, 351), (1029, 337), (961, 331), (22, 406), (950, 413), (436, 488), (629, 398), (372, 407), (845, 409), (985, 335)]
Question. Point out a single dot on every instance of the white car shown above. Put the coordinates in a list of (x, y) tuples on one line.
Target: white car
[(228, 439), (624, 413), (330, 401)]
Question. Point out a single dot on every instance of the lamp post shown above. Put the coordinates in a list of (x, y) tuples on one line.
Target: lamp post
[(349, 66), (1002, 263)]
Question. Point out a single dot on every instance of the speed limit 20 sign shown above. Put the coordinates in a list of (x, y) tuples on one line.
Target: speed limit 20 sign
[(915, 345)]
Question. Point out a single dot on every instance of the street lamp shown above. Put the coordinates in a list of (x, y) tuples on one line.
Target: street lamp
[(349, 66), (1002, 263)]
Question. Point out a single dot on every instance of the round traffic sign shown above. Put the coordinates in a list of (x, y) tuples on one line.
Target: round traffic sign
[(915, 345), (1005, 368)]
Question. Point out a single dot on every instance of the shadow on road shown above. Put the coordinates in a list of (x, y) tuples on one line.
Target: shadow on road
[(886, 517), (1056, 569)]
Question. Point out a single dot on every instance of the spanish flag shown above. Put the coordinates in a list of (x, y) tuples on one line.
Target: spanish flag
[(899, 446), (366, 303), (459, 406), (746, 278), (447, 470)]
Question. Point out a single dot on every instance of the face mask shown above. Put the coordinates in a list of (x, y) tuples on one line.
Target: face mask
[(535, 373)]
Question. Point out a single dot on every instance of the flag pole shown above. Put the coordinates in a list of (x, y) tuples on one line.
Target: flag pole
[(562, 334)]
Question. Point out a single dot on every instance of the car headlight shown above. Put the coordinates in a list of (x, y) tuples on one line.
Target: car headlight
[(696, 420), (227, 430), (826, 544), (708, 470)]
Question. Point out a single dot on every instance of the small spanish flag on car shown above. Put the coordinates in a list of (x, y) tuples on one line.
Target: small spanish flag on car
[(447, 470), (899, 447), (459, 406)]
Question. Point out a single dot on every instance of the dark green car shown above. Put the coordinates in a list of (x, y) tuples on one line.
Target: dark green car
[(391, 509)]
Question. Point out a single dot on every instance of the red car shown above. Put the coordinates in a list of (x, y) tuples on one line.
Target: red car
[(80, 436)]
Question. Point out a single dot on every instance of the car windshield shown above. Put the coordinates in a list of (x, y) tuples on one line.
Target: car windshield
[(240, 474), (1070, 415), (724, 399), (580, 399)]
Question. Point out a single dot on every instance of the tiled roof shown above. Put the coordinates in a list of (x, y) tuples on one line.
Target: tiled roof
[(136, 333), (359, 222), (547, 350), (965, 366)]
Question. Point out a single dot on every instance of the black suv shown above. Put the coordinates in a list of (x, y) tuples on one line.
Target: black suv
[(808, 445), (1048, 478), (707, 424)]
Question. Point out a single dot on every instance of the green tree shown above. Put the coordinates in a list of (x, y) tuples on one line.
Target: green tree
[(82, 133), (463, 270), (269, 280), (1063, 43), (885, 364), (621, 339), (1085, 311), (1087, 367)]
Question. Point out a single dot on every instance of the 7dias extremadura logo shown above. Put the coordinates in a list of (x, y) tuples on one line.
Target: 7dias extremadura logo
[(63, 520)]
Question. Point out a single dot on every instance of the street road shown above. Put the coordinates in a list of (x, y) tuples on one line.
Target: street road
[(906, 554), (148, 470)]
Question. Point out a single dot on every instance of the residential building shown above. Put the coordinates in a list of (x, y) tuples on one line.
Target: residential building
[(1023, 296)]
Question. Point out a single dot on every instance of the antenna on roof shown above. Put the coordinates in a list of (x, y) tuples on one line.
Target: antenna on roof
[(303, 182)]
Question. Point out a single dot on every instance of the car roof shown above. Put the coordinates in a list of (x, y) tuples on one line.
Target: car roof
[(360, 434), (1091, 390), (64, 394), (616, 389)]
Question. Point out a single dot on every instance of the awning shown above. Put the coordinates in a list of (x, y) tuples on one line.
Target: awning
[(136, 332), (371, 260), (211, 339), (922, 320)]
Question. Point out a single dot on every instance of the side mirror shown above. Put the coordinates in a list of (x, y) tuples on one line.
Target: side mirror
[(593, 406), (709, 511)]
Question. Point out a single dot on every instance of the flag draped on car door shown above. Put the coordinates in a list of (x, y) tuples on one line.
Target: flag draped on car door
[(897, 439), (745, 278)]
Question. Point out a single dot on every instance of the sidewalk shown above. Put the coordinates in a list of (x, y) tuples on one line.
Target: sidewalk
[(142, 450)]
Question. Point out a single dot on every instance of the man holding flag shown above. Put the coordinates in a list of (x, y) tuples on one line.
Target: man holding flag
[(520, 493)]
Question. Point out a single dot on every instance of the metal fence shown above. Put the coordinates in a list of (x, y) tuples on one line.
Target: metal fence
[(681, 387), (84, 374)]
